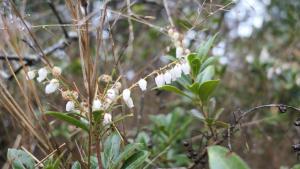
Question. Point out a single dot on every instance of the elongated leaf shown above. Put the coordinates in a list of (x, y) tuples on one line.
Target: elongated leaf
[(20, 159), (209, 61), (195, 63), (69, 119), (136, 160), (207, 88), (221, 158), (205, 47), (174, 89), (207, 74), (127, 153), (111, 149)]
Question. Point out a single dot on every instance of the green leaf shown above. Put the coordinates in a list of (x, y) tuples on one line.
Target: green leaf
[(195, 63), (20, 159), (194, 88), (111, 149), (69, 119), (127, 153), (207, 88), (76, 165), (209, 61), (136, 160), (221, 158), (171, 88), (207, 74), (205, 47)]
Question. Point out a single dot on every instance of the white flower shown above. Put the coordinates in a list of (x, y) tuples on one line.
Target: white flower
[(126, 94), (70, 106), (107, 118), (52, 86), (179, 52), (173, 74), (111, 94), (159, 80), (185, 67), (56, 71), (177, 71), (142, 84), (96, 105), (43, 72), (167, 77), (31, 74), (129, 103)]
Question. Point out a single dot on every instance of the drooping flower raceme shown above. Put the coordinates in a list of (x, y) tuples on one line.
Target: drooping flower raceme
[(52, 86), (97, 105), (70, 106), (159, 80), (43, 72), (31, 74), (142, 84), (107, 118)]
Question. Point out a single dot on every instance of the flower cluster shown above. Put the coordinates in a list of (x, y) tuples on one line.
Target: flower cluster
[(53, 84), (172, 74), (178, 42)]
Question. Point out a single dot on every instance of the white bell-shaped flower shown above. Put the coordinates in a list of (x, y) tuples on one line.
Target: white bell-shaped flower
[(159, 80), (142, 84), (43, 72), (126, 94), (111, 94), (167, 77), (185, 67), (177, 70), (129, 103), (173, 74), (70, 106), (107, 118), (97, 105), (52, 86), (31, 74), (179, 52)]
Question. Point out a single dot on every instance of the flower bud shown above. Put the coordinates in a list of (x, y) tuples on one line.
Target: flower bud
[(31, 74), (105, 78), (56, 71)]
